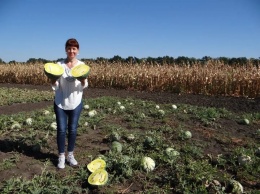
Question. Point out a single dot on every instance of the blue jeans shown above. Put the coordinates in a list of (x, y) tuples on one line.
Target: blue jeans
[(67, 119)]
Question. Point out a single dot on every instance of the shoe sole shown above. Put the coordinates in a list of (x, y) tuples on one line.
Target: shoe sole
[(72, 164)]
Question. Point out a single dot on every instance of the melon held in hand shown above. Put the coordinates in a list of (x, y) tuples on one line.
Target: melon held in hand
[(80, 71), (53, 70)]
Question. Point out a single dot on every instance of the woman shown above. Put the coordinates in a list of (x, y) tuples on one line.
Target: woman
[(68, 103)]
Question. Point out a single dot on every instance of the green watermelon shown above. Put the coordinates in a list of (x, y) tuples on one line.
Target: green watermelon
[(116, 147)]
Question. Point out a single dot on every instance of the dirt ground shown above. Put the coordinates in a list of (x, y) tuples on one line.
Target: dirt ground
[(234, 104)]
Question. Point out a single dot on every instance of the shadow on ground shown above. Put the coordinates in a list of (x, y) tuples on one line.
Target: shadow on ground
[(34, 151)]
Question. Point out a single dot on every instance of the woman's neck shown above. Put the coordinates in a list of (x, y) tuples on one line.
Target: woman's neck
[(73, 60)]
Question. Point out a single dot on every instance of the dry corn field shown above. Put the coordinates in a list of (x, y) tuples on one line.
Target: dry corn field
[(211, 79)]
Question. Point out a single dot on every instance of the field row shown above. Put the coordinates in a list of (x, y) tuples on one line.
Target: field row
[(187, 149), (210, 79)]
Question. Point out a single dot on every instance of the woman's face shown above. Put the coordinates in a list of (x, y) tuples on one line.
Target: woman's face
[(72, 52)]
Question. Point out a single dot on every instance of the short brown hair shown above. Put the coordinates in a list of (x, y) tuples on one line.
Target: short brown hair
[(72, 42)]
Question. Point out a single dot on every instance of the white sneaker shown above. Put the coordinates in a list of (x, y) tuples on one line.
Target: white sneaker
[(61, 162), (71, 160)]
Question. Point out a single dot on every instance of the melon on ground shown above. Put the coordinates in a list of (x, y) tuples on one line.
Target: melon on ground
[(53, 70), (80, 71), (98, 177), (96, 164)]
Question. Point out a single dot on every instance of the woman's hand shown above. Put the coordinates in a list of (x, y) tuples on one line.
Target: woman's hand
[(83, 82), (53, 82)]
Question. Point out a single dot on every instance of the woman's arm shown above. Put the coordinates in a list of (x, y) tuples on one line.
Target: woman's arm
[(54, 84)]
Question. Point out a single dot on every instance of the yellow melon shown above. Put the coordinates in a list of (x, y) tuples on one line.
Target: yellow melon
[(96, 164), (53, 70), (99, 177), (80, 71)]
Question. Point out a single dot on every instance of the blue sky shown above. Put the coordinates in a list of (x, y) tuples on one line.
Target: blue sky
[(139, 28)]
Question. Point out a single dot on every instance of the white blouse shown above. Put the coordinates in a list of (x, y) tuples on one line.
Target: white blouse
[(68, 90)]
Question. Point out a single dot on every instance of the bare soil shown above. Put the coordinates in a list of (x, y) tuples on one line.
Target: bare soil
[(235, 104), (93, 141)]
